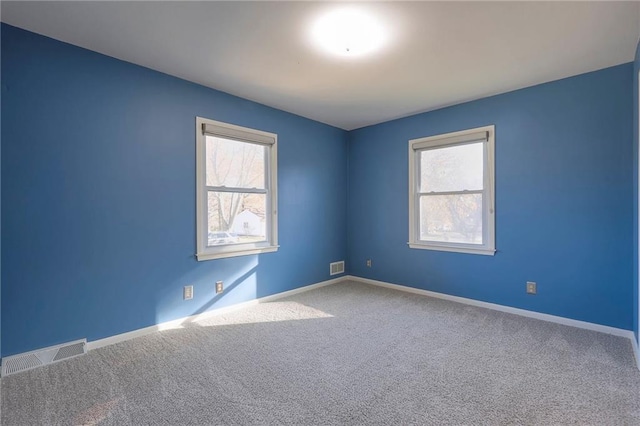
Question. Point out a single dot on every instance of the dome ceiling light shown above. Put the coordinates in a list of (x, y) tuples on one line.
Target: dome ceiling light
[(348, 32)]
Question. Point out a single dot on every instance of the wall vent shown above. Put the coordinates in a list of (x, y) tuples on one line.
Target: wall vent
[(28, 360), (336, 268)]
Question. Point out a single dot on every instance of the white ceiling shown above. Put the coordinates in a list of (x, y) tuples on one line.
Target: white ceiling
[(438, 53)]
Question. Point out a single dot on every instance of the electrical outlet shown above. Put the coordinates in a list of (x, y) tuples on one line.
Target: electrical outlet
[(532, 288), (219, 287), (369, 263), (187, 292)]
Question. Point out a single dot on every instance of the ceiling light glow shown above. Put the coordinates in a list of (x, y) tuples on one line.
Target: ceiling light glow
[(348, 32)]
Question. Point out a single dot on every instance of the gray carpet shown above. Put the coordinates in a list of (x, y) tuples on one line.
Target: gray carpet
[(344, 354)]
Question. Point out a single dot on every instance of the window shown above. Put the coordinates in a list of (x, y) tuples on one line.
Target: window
[(236, 190), (451, 192)]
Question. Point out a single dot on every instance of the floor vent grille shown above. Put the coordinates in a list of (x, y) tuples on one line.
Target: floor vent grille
[(28, 360), (69, 351), (336, 268)]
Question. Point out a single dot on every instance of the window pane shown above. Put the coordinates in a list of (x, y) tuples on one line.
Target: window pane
[(236, 218), (235, 164), (451, 218), (453, 168)]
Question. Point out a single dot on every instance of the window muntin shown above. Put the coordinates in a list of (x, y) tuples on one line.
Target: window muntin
[(452, 192), (236, 184)]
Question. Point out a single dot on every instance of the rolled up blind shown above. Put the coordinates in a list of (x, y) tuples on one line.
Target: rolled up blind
[(468, 138), (238, 134)]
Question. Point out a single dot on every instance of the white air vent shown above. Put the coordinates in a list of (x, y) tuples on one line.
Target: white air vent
[(28, 360), (336, 268)]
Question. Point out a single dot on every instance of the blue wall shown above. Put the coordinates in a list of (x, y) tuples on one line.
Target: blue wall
[(636, 69), (98, 174), (98, 184), (564, 185)]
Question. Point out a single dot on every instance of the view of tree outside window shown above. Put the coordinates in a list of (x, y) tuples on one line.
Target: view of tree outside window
[(238, 205), (451, 193)]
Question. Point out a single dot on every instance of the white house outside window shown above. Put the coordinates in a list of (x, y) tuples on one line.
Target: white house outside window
[(236, 190), (451, 192)]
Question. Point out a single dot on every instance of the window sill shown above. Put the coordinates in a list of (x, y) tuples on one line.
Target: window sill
[(468, 250), (243, 252)]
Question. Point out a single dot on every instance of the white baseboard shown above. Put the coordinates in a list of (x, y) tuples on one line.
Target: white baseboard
[(502, 308), (95, 344)]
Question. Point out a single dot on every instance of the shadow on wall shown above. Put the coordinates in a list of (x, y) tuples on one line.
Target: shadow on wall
[(245, 284), (239, 286)]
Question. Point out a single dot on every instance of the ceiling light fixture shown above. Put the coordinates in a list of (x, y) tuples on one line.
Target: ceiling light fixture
[(348, 32)]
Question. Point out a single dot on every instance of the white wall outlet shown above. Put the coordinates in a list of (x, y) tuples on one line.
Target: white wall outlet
[(219, 287), (369, 263), (532, 288), (187, 292)]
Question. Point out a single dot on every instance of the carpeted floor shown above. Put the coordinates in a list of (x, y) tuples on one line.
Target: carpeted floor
[(344, 354)]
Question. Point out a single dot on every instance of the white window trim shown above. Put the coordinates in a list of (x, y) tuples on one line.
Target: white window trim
[(488, 213), (243, 134)]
